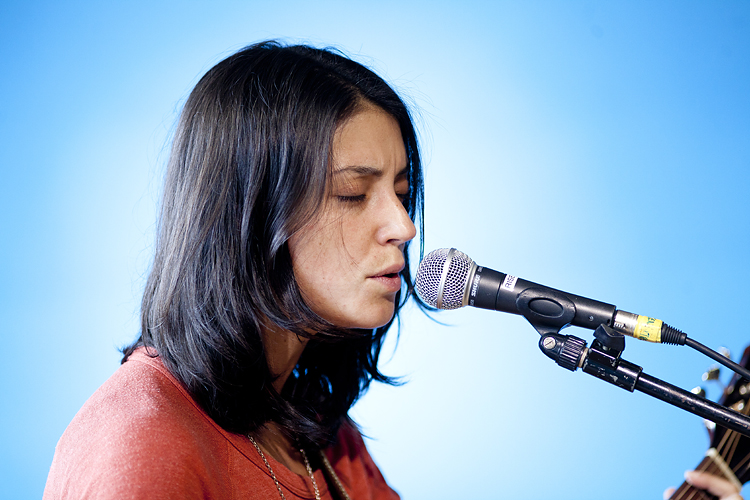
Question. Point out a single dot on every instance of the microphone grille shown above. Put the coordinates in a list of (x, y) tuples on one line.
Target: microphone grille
[(442, 277)]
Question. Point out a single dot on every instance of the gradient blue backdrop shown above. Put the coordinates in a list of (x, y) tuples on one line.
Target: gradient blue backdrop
[(598, 147)]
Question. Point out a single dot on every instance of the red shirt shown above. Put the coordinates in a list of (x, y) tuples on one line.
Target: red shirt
[(141, 436)]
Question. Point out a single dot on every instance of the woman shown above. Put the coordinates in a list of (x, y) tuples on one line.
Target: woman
[(289, 202), (290, 199)]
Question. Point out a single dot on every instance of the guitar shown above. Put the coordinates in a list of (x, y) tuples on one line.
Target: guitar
[(729, 455)]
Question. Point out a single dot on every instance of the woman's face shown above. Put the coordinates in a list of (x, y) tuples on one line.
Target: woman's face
[(347, 261)]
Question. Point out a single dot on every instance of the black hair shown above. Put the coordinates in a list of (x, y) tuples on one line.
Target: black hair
[(248, 168)]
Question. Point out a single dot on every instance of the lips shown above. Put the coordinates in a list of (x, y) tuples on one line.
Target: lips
[(390, 277), (390, 271)]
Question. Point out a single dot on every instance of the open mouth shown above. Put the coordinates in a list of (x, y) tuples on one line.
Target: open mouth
[(391, 281)]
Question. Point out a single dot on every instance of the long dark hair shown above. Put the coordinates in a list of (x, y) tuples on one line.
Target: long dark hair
[(248, 168)]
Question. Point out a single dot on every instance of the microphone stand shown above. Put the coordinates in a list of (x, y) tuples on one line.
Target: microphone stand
[(602, 360)]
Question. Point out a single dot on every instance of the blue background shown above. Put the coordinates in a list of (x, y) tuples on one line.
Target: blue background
[(598, 147)]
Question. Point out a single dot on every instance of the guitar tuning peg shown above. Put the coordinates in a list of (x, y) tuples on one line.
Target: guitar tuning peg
[(711, 374), (699, 391), (725, 352)]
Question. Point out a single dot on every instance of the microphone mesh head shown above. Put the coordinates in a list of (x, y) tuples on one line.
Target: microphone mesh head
[(442, 277)]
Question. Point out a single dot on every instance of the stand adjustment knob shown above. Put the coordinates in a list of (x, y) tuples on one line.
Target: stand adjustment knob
[(571, 352), (566, 350)]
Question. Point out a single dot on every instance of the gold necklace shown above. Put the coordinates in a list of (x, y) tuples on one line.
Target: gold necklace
[(343, 495), (276, 481)]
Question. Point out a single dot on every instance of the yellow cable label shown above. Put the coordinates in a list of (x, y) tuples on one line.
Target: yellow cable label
[(648, 329)]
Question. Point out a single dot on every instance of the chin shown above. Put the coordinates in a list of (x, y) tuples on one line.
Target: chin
[(368, 320), (380, 319), (360, 315)]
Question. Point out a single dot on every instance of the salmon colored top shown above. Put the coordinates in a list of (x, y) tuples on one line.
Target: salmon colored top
[(141, 436)]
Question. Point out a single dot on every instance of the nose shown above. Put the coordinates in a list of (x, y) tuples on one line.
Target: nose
[(396, 227)]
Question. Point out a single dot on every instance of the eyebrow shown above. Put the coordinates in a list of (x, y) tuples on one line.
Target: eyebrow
[(364, 171)]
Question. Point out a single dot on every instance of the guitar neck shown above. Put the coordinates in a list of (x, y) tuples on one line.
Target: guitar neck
[(711, 463), (688, 492), (728, 457)]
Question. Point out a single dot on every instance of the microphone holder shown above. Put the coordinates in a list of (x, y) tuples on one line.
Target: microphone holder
[(602, 360)]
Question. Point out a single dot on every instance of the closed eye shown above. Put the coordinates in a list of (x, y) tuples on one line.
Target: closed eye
[(404, 198), (352, 199)]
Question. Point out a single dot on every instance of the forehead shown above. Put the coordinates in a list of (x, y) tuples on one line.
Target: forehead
[(369, 142)]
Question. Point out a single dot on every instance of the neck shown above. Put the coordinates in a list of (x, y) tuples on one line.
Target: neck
[(283, 350), (274, 442)]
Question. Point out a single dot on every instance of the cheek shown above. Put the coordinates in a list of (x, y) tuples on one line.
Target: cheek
[(314, 247), (316, 260), (335, 244), (329, 263)]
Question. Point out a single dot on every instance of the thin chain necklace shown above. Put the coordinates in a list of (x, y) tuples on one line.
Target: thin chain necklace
[(276, 481)]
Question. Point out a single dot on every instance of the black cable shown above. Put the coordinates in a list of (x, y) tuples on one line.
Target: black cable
[(717, 357)]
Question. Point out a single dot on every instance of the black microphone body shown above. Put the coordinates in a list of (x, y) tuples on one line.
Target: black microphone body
[(449, 279), (546, 308)]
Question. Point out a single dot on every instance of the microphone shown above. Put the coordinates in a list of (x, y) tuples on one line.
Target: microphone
[(449, 279)]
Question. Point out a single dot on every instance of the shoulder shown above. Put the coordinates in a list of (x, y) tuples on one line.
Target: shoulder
[(356, 468), (140, 399), (138, 430)]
